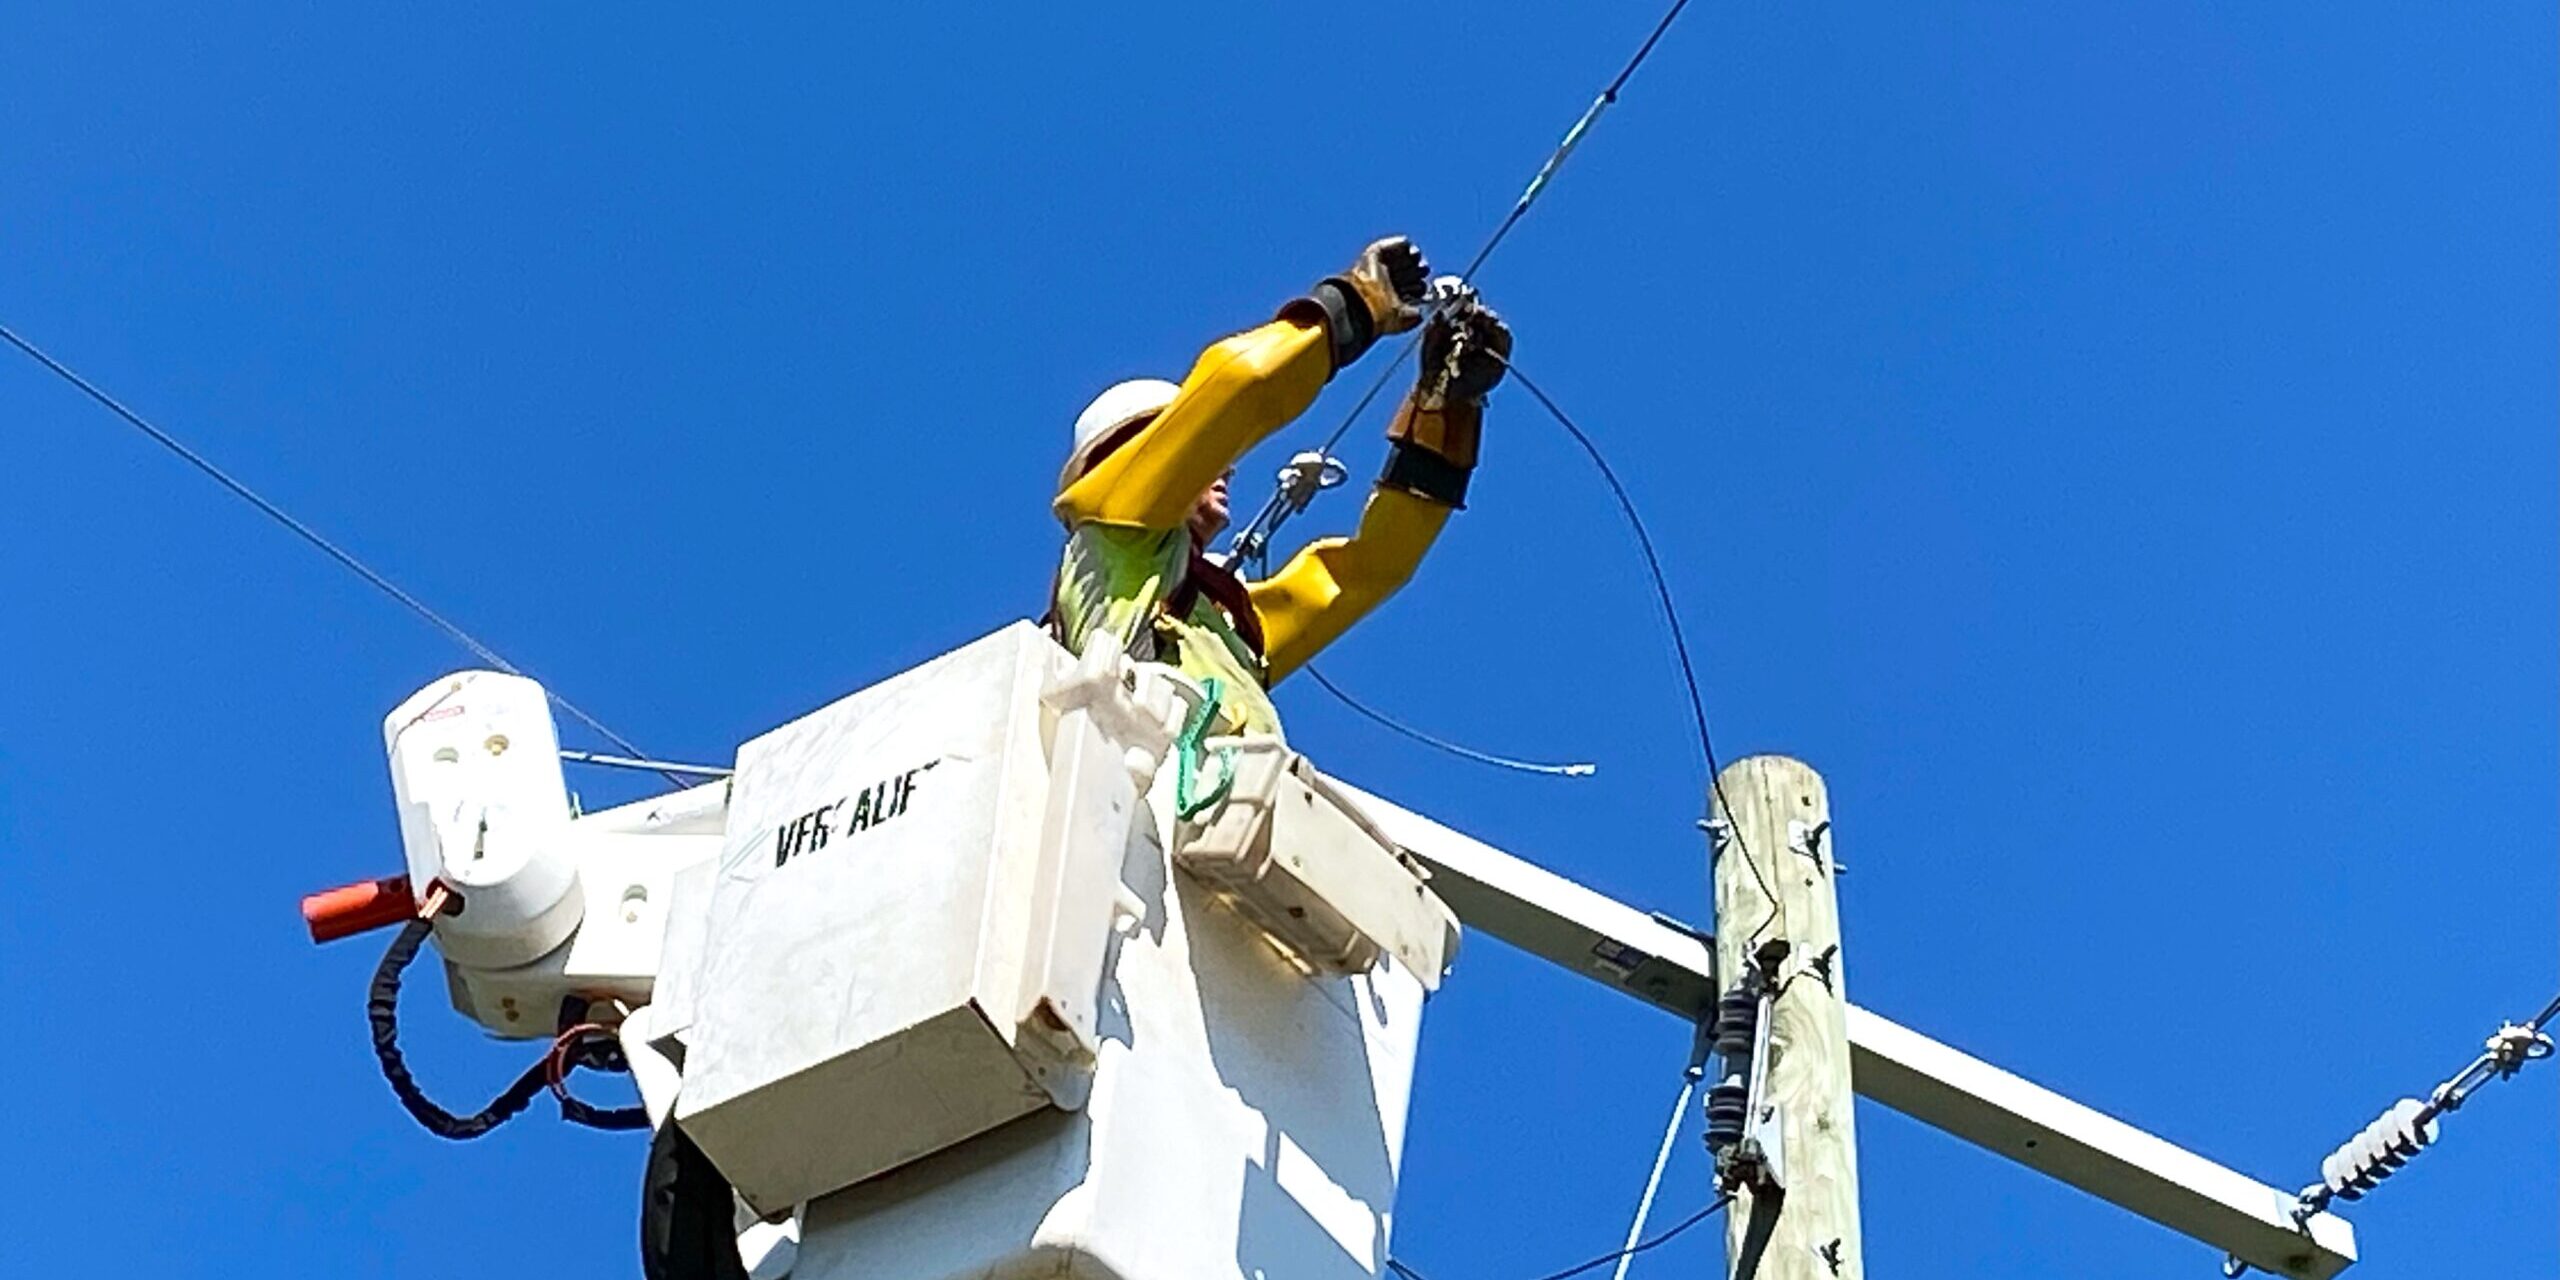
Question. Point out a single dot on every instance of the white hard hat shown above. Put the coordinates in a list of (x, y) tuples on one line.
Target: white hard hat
[(1117, 407)]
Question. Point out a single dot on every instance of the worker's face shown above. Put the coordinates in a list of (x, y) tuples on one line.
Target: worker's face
[(1209, 515)]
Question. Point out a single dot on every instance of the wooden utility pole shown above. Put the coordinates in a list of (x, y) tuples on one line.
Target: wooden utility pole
[(1772, 836), (1651, 958)]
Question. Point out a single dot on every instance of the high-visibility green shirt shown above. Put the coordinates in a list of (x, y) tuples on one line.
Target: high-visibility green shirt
[(1115, 580)]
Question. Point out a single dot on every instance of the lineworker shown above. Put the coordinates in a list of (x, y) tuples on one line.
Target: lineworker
[(1144, 489)]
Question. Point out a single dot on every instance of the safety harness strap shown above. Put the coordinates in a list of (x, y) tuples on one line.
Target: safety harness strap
[(1206, 577)]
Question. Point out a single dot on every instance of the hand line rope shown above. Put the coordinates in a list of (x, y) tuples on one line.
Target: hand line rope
[(310, 535)]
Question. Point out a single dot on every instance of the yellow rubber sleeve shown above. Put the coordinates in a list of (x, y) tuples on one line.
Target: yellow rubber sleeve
[(1333, 582), (1242, 389)]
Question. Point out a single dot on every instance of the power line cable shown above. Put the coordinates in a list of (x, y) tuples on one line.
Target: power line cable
[(310, 535), (1679, 643), (1400, 1268), (1520, 208), (1573, 138), (1254, 533), (1580, 769), (1644, 543), (1671, 621), (1252, 542)]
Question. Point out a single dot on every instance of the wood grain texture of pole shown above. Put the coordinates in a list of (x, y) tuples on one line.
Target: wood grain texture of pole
[(1781, 814)]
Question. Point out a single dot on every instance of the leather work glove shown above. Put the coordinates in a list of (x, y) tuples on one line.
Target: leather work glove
[(1381, 293), (1434, 438), (1390, 276), (1465, 350)]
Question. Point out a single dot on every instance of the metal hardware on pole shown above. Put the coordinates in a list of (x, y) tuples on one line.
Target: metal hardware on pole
[(1793, 1168)]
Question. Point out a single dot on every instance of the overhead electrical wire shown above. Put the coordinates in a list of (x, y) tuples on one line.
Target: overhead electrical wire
[(1573, 137), (1678, 634), (1646, 1246), (1519, 208), (1671, 623), (341, 555), (1578, 769), (1652, 559), (1636, 1244), (1251, 544), (1250, 541)]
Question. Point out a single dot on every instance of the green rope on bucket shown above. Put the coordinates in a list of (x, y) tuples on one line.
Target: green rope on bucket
[(1187, 751)]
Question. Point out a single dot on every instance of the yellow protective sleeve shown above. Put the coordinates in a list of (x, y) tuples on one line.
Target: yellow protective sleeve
[(1333, 582), (1242, 389)]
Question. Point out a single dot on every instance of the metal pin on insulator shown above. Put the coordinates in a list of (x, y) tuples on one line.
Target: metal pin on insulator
[(2389, 1142)]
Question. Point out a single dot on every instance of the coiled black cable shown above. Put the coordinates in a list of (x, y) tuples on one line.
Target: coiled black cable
[(596, 1049), (382, 1010)]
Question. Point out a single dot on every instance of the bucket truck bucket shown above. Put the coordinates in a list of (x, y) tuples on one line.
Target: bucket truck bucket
[(962, 987)]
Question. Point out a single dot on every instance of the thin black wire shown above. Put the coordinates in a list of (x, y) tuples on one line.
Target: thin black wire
[(1366, 397), (1575, 770), (1555, 160), (1604, 1259), (307, 533), (1254, 539), (2549, 1011), (1520, 208), (1671, 619)]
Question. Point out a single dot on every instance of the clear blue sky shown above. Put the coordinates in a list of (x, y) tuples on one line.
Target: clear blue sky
[(2115, 443)]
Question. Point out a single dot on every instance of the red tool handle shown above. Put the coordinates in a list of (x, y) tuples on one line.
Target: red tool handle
[(356, 908)]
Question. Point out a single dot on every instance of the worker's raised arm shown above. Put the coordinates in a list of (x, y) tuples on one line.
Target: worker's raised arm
[(1334, 582), (1242, 389), (1432, 448)]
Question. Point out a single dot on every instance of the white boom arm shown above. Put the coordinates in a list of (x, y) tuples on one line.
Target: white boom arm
[(561, 905), (1673, 968)]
